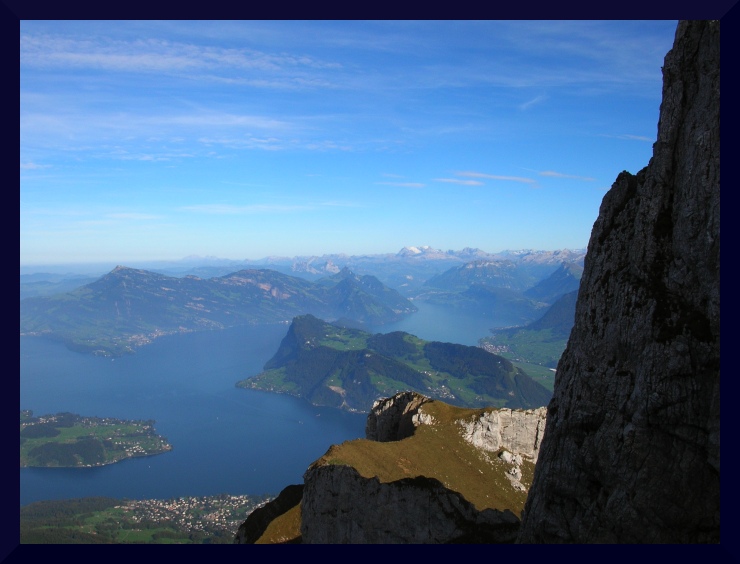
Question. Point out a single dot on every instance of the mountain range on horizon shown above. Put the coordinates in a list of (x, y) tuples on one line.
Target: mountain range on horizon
[(129, 307), (422, 252)]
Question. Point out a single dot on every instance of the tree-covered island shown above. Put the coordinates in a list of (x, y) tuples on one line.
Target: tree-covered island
[(70, 440)]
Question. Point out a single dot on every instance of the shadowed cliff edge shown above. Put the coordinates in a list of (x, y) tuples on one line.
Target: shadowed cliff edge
[(631, 451)]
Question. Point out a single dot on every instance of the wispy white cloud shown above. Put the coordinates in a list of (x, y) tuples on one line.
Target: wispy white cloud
[(629, 137), (125, 155), (267, 144), (554, 174), (32, 166), (134, 216), (128, 125), (256, 209), (459, 181), (636, 138), (472, 174), (229, 209), (83, 217), (404, 184), (326, 146), (207, 120), (338, 204), (532, 102), (159, 56)]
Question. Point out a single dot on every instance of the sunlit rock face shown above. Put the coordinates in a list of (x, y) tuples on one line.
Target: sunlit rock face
[(631, 449), (516, 430)]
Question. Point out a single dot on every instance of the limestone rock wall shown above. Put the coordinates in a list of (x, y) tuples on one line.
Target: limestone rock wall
[(517, 431), (631, 452)]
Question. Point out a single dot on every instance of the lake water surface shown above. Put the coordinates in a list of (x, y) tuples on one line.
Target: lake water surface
[(225, 439)]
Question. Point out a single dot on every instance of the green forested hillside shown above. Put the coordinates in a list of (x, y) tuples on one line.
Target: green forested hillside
[(564, 280), (349, 369), (541, 342)]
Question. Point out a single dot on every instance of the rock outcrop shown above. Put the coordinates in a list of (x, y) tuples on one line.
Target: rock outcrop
[(396, 417), (631, 453), (517, 431)]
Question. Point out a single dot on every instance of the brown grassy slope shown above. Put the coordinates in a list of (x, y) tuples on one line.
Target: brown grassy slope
[(438, 451), (435, 451), (285, 529)]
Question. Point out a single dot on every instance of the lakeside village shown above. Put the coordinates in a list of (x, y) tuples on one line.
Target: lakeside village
[(207, 515), (100, 520)]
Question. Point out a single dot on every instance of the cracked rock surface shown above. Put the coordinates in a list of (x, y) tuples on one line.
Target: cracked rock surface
[(631, 449)]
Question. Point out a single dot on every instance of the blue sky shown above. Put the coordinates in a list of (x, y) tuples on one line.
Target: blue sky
[(158, 140)]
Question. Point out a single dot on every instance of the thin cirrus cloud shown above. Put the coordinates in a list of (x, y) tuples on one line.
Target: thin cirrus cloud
[(532, 102), (125, 124), (460, 181), (403, 184), (253, 209), (32, 166), (267, 144), (635, 138), (154, 55), (629, 137), (471, 174), (553, 174), (134, 216)]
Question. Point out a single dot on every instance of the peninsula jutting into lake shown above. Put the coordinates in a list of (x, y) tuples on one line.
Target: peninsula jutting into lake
[(71, 440)]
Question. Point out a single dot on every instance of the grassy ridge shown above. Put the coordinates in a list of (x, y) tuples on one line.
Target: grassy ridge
[(438, 451)]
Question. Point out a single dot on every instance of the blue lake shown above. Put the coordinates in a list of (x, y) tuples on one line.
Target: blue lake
[(225, 439)]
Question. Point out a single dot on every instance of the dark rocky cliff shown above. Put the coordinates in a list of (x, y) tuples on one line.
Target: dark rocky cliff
[(631, 449)]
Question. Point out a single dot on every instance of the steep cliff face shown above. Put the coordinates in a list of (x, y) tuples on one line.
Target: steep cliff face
[(632, 446)]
